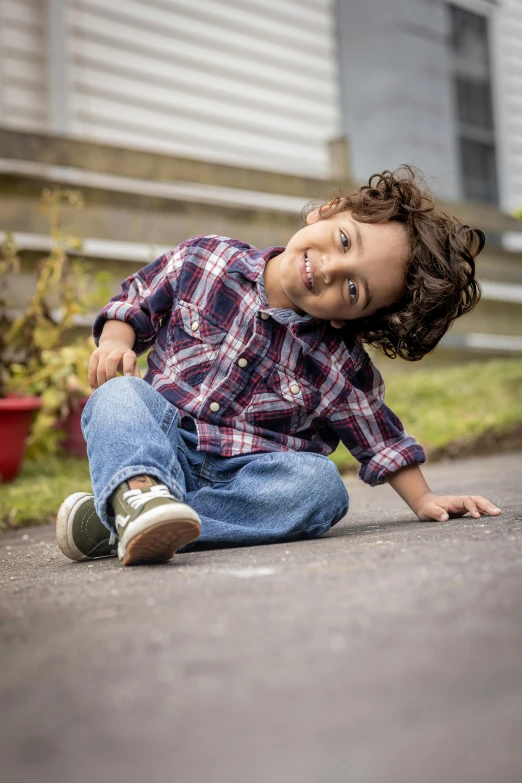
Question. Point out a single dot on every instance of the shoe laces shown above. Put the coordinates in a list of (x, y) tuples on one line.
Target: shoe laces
[(136, 498)]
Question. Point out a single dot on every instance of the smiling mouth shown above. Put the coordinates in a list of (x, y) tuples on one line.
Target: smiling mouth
[(307, 274)]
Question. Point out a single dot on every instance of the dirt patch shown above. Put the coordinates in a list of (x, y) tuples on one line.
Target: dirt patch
[(488, 442), (484, 445)]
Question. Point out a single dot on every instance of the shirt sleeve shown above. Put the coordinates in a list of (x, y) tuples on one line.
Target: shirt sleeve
[(146, 298), (372, 432)]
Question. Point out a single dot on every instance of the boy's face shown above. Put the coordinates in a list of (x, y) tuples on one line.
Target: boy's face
[(339, 269)]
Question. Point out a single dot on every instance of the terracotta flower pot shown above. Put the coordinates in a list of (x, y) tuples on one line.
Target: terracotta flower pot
[(15, 421)]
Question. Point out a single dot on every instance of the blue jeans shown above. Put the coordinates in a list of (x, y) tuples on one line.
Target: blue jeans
[(259, 498)]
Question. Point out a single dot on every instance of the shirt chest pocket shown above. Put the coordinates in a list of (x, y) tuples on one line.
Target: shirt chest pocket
[(283, 403), (194, 344)]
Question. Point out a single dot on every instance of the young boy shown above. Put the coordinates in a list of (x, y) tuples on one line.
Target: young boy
[(256, 371)]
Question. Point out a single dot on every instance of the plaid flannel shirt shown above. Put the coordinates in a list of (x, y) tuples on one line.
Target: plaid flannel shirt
[(250, 378)]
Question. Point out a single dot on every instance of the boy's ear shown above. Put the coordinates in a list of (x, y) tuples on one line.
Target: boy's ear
[(337, 324), (312, 217), (315, 215)]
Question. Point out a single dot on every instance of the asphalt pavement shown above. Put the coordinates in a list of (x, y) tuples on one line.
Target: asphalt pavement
[(388, 651)]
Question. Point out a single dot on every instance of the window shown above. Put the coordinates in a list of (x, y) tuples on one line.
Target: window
[(471, 74)]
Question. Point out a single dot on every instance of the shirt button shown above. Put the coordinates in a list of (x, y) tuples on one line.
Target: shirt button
[(242, 362), (294, 388), (214, 407), (265, 316), (195, 326)]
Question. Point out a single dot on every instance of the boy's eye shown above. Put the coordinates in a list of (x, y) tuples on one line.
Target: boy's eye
[(345, 241), (352, 288)]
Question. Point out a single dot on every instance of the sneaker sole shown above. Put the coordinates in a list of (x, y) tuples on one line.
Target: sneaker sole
[(64, 530), (159, 537)]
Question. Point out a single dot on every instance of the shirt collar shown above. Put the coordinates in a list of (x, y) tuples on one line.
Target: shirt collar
[(307, 330)]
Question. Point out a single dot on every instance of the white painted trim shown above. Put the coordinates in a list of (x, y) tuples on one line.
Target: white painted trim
[(78, 320), (500, 117), (512, 241), (454, 163), (192, 192), (108, 249), (501, 292), (477, 341), (138, 252)]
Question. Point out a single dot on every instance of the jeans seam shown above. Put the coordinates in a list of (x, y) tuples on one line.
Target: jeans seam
[(171, 413)]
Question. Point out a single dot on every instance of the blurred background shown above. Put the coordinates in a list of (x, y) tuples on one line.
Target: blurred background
[(149, 121)]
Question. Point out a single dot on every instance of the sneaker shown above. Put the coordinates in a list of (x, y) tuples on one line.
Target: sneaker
[(80, 533), (151, 523)]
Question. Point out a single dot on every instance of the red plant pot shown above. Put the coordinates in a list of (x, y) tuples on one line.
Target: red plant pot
[(15, 421), (74, 444)]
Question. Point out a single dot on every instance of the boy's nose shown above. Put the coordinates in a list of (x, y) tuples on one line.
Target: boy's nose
[(331, 268)]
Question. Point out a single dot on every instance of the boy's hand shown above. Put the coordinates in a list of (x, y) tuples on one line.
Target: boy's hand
[(108, 360), (411, 485), (441, 507)]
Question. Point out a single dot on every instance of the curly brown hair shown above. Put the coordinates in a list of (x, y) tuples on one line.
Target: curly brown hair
[(440, 280)]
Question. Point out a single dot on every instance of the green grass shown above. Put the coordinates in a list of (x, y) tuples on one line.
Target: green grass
[(441, 406), (35, 495), (437, 406)]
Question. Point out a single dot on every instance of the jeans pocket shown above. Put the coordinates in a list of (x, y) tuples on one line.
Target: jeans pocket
[(223, 470)]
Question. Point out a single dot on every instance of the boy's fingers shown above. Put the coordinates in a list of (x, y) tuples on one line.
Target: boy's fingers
[(486, 507), (129, 363), (435, 513), (111, 365), (471, 506), (91, 372), (104, 368), (101, 375), (459, 506)]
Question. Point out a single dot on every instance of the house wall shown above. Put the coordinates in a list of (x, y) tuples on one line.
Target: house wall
[(23, 65), (395, 88), (508, 55), (251, 84)]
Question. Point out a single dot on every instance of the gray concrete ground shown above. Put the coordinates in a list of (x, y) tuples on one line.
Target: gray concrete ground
[(389, 651)]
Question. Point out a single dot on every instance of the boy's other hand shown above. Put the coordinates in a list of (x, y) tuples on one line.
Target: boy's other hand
[(110, 359), (440, 508)]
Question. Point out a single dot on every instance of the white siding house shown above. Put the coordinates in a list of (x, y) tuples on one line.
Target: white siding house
[(256, 82), (24, 97), (247, 82)]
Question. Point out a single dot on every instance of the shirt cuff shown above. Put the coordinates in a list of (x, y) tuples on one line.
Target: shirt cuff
[(391, 459), (123, 311)]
